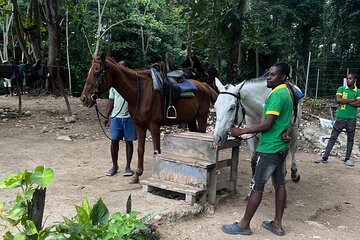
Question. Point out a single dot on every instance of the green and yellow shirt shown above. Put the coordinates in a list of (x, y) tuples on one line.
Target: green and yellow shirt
[(345, 110), (279, 103)]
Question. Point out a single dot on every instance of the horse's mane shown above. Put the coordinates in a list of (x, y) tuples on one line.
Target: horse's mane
[(110, 59), (246, 81), (255, 80)]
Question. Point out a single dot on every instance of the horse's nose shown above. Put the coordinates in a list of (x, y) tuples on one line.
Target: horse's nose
[(83, 99)]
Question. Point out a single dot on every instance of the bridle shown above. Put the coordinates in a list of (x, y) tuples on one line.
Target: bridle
[(101, 79), (238, 103), (243, 112)]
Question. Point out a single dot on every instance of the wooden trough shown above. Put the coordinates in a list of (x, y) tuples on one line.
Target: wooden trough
[(189, 164)]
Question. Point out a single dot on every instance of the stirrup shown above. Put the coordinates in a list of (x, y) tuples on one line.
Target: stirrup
[(168, 110)]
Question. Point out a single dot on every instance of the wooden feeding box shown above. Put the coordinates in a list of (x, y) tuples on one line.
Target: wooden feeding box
[(189, 164)]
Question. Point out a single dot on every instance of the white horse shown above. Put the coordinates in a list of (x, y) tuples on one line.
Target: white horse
[(244, 103)]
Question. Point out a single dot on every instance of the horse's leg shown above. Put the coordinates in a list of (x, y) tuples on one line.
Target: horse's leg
[(141, 135), (202, 122), (155, 134), (192, 125), (295, 176), (252, 143)]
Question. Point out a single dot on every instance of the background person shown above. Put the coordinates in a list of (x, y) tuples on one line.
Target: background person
[(348, 99), (122, 127)]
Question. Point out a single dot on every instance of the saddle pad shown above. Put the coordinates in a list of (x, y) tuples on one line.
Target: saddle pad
[(187, 95), (156, 80), (187, 86)]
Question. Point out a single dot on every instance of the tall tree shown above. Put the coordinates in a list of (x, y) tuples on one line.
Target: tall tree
[(53, 23), (236, 25)]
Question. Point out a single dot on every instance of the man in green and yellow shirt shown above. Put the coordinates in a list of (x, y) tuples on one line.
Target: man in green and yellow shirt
[(271, 152), (348, 99)]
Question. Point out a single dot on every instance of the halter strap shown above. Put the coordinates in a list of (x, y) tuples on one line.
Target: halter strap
[(238, 97)]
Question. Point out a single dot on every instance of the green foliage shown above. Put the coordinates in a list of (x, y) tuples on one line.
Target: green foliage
[(95, 223), (313, 103), (17, 213), (90, 222)]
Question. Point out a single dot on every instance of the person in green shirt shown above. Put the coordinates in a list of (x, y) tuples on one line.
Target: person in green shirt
[(271, 152), (348, 98)]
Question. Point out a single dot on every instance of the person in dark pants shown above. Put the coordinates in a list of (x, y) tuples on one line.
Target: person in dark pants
[(271, 152), (348, 98), (122, 127)]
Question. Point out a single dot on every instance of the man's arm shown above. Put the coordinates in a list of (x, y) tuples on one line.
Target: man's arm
[(262, 127), (109, 108), (355, 103), (340, 100)]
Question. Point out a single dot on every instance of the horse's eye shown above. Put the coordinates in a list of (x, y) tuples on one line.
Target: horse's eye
[(232, 108)]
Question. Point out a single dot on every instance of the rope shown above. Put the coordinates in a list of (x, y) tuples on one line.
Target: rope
[(98, 117)]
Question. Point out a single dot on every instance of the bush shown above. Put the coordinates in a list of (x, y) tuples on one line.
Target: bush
[(89, 222)]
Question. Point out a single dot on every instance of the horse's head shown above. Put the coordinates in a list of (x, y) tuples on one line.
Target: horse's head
[(229, 111), (98, 81)]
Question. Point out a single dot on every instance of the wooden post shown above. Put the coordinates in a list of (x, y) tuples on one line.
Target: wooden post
[(36, 207), (317, 83), (307, 75)]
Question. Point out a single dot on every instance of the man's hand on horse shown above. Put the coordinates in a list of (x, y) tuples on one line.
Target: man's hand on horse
[(236, 132)]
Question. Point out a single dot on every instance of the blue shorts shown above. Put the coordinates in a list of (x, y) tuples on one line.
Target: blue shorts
[(122, 129), (269, 165)]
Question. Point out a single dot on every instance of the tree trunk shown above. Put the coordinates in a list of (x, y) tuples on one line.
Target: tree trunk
[(34, 30), (36, 207), (52, 17), (235, 44), (20, 30), (213, 33)]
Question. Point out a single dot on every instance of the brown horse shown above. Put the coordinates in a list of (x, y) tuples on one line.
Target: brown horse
[(146, 104)]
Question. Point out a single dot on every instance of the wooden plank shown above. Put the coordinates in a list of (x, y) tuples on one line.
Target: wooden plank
[(185, 160), (175, 187), (192, 135), (179, 173), (191, 148)]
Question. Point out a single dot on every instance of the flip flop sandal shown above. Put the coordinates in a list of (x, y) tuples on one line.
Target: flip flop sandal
[(269, 226), (111, 172), (235, 229), (128, 173)]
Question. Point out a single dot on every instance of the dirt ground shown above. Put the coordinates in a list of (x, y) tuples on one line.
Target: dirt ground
[(323, 205)]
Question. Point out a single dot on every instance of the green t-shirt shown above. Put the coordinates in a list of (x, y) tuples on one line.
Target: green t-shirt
[(120, 109), (345, 110), (278, 103)]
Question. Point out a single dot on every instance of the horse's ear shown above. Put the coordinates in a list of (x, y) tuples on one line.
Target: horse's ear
[(94, 56), (238, 87), (219, 85), (103, 57)]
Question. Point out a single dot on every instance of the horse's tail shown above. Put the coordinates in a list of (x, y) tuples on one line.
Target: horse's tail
[(212, 92)]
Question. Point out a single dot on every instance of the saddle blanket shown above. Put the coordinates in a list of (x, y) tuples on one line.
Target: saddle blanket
[(185, 86)]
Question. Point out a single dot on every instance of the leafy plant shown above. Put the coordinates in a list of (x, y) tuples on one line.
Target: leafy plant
[(17, 215), (90, 222), (95, 223)]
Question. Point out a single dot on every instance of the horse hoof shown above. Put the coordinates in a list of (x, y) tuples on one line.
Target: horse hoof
[(139, 172), (296, 179), (134, 180)]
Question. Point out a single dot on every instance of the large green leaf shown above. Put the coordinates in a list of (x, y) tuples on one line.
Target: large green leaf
[(20, 236), (83, 216), (86, 206), (99, 214), (30, 228), (128, 204), (43, 178), (12, 181)]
